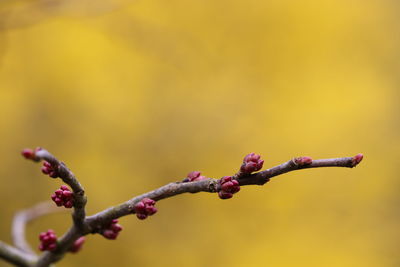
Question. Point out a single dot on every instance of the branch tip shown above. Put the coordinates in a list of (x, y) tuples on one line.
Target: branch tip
[(357, 159), (28, 153)]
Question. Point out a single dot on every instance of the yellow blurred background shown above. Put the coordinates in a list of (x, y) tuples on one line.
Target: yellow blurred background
[(135, 94)]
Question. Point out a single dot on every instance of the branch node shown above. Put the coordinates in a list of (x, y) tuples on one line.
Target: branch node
[(302, 161), (213, 186)]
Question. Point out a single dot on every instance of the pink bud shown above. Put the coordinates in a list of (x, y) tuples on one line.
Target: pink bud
[(48, 240), (193, 175), (252, 157), (302, 161), (151, 210), (28, 153), (45, 170), (42, 235), (200, 178), (357, 159), (148, 201), (116, 227), (227, 186), (140, 207), (224, 195), (226, 179), (77, 244), (64, 188), (260, 164), (235, 189), (58, 202), (63, 197), (251, 163), (52, 236), (141, 216), (109, 234), (47, 164), (112, 230), (145, 208), (67, 194)]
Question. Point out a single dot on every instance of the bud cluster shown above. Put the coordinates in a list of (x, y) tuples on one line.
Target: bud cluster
[(228, 187), (77, 245), (145, 208), (194, 176), (112, 230), (48, 241), (49, 170), (63, 197), (251, 163)]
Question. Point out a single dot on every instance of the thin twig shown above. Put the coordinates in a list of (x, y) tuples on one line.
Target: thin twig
[(69, 178), (211, 185)]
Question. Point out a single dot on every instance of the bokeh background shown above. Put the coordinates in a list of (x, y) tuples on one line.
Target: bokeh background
[(135, 94)]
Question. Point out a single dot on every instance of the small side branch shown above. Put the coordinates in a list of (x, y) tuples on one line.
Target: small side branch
[(22, 218), (210, 185), (15, 256), (262, 177)]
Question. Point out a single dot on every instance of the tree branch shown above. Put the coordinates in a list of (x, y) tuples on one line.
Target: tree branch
[(97, 223)]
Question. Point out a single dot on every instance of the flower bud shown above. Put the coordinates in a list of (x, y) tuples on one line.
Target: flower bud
[(251, 163)]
